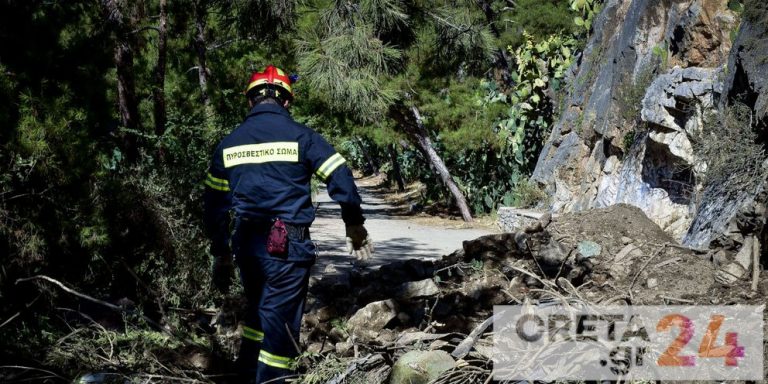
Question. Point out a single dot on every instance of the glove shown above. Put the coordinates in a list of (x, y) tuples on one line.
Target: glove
[(359, 243), (223, 271)]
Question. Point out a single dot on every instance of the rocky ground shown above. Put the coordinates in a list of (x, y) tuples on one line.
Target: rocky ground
[(416, 319)]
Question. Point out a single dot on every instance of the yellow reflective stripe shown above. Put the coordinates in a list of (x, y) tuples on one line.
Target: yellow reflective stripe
[(216, 180), (265, 81), (275, 360), (287, 151), (330, 165), (216, 183), (252, 334), (216, 186)]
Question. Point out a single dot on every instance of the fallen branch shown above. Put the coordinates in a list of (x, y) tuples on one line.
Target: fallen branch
[(670, 298), (361, 364), (533, 275), (19, 312), (101, 302), (164, 378), (755, 264), (667, 262), (466, 345), (72, 291), (31, 369)]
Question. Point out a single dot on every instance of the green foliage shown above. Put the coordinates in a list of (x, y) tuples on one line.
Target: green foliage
[(588, 10), (661, 52), (538, 18), (461, 39), (345, 68), (736, 6), (133, 350), (628, 140), (630, 94), (454, 109), (540, 67), (756, 11), (325, 369), (77, 205)]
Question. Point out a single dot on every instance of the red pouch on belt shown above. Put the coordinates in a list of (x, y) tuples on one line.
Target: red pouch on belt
[(277, 242)]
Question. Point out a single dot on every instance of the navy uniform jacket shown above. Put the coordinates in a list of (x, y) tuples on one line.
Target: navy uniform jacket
[(262, 171)]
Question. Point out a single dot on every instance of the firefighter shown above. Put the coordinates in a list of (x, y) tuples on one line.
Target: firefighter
[(261, 171)]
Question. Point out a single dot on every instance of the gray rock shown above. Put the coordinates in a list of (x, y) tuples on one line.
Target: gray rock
[(626, 252), (744, 257), (515, 219), (589, 248), (570, 150), (372, 318), (420, 367), (343, 348), (589, 162), (718, 212), (416, 289)]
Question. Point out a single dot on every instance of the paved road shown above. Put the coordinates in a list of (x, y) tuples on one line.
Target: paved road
[(395, 237)]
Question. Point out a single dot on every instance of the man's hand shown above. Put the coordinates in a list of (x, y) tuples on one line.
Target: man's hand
[(223, 271), (359, 243)]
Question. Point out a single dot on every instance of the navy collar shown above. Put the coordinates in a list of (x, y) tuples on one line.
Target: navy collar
[(268, 108)]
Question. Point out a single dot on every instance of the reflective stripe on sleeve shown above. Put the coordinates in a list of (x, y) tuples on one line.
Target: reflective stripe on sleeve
[(330, 165), (252, 334), (216, 183), (275, 360)]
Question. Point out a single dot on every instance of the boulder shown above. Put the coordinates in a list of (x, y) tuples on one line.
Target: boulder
[(369, 320), (417, 289), (420, 367)]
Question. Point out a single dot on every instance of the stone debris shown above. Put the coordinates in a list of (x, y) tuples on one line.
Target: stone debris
[(420, 367), (417, 289), (418, 310), (369, 320), (734, 271)]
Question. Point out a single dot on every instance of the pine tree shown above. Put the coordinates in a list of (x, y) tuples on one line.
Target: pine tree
[(364, 54)]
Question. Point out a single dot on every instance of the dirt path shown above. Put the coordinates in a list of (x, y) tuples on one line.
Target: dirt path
[(396, 236)]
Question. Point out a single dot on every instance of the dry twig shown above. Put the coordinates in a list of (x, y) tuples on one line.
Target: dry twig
[(755, 264), (104, 303), (634, 279)]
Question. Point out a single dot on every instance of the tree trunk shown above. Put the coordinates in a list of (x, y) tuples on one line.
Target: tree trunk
[(127, 103), (398, 175), (201, 11), (371, 164), (158, 93), (420, 137)]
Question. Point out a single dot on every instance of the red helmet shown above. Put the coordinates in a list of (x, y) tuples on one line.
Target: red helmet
[(271, 82)]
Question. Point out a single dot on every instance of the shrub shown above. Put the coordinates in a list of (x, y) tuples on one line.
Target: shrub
[(729, 149)]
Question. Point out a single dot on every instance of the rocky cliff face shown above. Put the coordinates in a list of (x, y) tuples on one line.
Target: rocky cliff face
[(639, 96)]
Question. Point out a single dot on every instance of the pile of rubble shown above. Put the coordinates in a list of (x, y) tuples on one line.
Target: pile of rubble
[(420, 321)]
